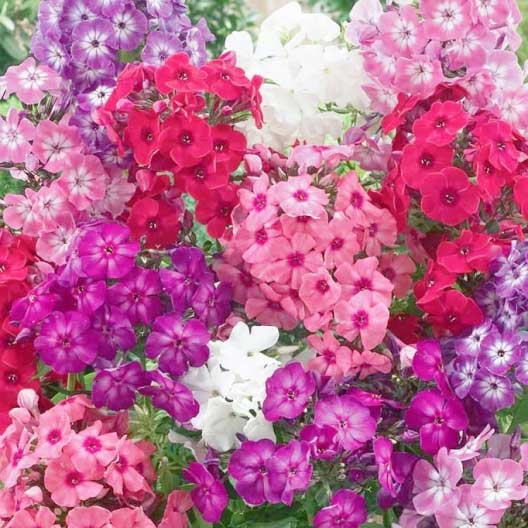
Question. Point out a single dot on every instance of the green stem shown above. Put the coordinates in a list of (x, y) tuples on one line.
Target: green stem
[(387, 519), (70, 384)]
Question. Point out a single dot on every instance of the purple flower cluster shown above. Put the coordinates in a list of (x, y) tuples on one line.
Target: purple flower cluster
[(90, 313), (491, 362), (86, 41)]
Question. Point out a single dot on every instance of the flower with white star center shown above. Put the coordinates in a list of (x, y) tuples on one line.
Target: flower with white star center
[(446, 19), (94, 42), (15, 134)]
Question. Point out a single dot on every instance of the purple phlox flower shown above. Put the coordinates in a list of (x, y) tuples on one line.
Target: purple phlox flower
[(66, 342), (94, 42), (85, 76), (479, 416), (213, 304), (130, 26), (49, 51), (372, 400), (178, 343), (93, 134), (159, 8), (470, 344), (290, 470), (188, 271), (322, 441), (248, 466), (511, 278), (393, 467), (440, 421), (159, 46), (114, 330), (88, 295), (105, 251), (461, 375), (117, 388), (353, 422), (288, 392), (436, 486), (492, 391), (428, 365), (96, 97), (173, 397), (209, 496), (488, 299), (74, 12), (347, 510), (197, 39), (138, 295), (36, 306), (106, 7), (511, 316), (499, 352)]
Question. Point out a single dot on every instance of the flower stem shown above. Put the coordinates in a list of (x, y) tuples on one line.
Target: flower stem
[(70, 383)]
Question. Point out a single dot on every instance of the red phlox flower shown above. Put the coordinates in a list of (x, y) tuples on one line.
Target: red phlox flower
[(520, 195), (229, 146), (131, 79), (185, 140), (441, 123), (156, 220), (499, 136), (205, 175), (469, 252), (224, 79), (141, 134), (490, 180), (12, 265), (435, 281), (449, 197), (397, 117), (178, 74), (214, 209), (453, 312), (421, 159)]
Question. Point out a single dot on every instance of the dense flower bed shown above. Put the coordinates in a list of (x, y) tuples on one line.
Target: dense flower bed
[(285, 286)]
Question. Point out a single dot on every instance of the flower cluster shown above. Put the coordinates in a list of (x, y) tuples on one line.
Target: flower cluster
[(78, 455), (302, 56), (89, 313), (410, 51), (177, 118), (306, 248)]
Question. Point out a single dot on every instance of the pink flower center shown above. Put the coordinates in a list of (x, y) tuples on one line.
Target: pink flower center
[(356, 200), (296, 260), (73, 479), (337, 243), (389, 273), (363, 284), (322, 286), (373, 229), (92, 444), (246, 279), (360, 319), (291, 394), (300, 195), (54, 436), (449, 197), (303, 219), (261, 236), (259, 202)]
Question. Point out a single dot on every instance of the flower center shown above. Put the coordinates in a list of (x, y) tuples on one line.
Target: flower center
[(337, 243), (301, 195), (73, 479), (261, 236), (449, 197), (260, 202), (54, 436), (296, 259), (323, 286), (360, 319), (92, 444), (426, 160)]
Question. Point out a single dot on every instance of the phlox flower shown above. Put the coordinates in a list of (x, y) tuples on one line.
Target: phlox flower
[(436, 486), (446, 20), (352, 199), (257, 203), (93, 42), (339, 241), (91, 447), (83, 180), (498, 136), (288, 392), (174, 515), (313, 227), (352, 420), (68, 486), (54, 433), (20, 212), (88, 517), (492, 390), (15, 134), (209, 496), (418, 75), (367, 362), (468, 513), (122, 475), (400, 32), (49, 206), (258, 246), (298, 197), (398, 269), (54, 142), (363, 276), (499, 352), (347, 509), (421, 158), (30, 81), (265, 307), (42, 517), (497, 483), (322, 441), (379, 230), (318, 291), (333, 359), (362, 316), (290, 470), (441, 123), (439, 420)]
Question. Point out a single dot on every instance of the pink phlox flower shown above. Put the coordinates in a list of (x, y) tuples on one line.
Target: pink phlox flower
[(298, 197), (363, 276), (353, 199), (472, 448), (42, 517), (257, 203), (260, 245), (362, 316), (436, 486), (419, 75), (88, 517), (367, 363), (122, 475), (15, 134), (54, 142), (446, 20), (313, 227), (178, 503), (498, 483), (378, 230), (16, 453), (398, 269), (53, 245), (54, 432), (136, 518), (338, 242), (29, 81), (333, 359), (20, 213), (319, 291), (401, 33), (265, 306)]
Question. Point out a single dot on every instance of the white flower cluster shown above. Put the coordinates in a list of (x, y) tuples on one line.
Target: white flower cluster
[(301, 57), (232, 386)]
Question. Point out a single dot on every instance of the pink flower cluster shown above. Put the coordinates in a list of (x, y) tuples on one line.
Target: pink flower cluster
[(307, 247), (469, 485), (70, 455), (468, 43)]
